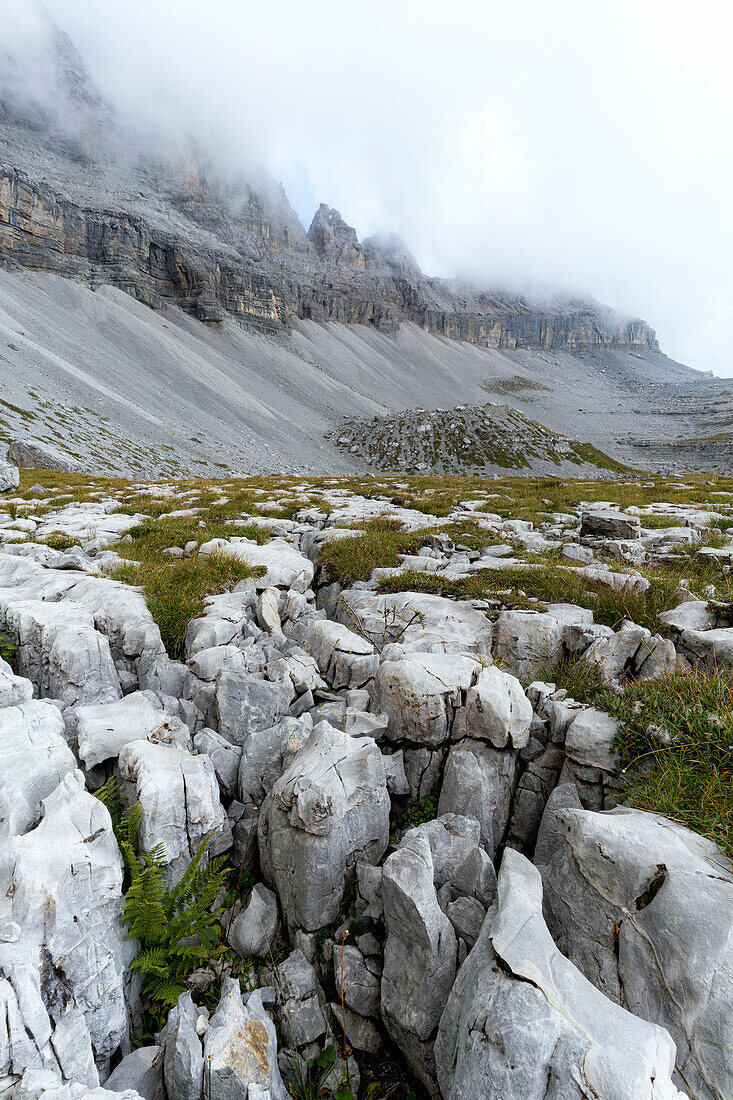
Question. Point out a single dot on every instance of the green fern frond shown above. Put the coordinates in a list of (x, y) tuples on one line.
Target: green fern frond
[(176, 925), (165, 990), (110, 795), (153, 960)]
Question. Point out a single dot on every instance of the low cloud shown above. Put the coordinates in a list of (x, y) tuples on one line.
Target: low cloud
[(584, 146)]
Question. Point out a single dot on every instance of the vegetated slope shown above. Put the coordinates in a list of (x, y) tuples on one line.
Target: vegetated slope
[(466, 439)]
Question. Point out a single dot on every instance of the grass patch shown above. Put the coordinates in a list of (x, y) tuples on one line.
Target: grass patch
[(175, 591), (381, 542), (517, 587), (675, 743), (57, 540), (516, 384), (586, 452)]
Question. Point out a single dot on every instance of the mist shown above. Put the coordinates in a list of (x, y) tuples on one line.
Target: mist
[(584, 146)]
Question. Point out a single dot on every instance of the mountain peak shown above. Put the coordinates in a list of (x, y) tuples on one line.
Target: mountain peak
[(334, 240)]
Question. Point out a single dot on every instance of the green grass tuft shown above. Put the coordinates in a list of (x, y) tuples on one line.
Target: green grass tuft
[(175, 591), (687, 775)]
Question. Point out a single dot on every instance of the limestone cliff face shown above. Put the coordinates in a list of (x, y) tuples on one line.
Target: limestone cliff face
[(92, 211), (40, 230)]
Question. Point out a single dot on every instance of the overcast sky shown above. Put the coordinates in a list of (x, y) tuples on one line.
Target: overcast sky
[(587, 143)]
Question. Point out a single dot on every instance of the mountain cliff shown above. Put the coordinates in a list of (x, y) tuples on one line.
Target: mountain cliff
[(82, 198)]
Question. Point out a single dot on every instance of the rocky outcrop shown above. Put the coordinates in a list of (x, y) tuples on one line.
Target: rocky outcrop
[(601, 969), (622, 891), (522, 1023)]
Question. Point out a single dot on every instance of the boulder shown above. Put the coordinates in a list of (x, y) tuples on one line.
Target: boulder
[(419, 621), (244, 704), (206, 664), (525, 641), (179, 795), (266, 754), (9, 473), (225, 617), (361, 988), (29, 1041), (706, 649), (65, 894), (608, 523), (420, 694), (644, 908), (690, 615), (522, 1023), (14, 690), (102, 731), (240, 1048), (345, 659), (184, 1057), (496, 710), (268, 614), (140, 1071), (35, 454), (254, 930), (35, 758), (602, 576), (224, 757), (631, 653), (329, 810), (420, 955), (479, 782), (298, 1004), (59, 650)]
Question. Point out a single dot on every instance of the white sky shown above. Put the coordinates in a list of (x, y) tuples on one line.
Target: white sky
[(587, 143)]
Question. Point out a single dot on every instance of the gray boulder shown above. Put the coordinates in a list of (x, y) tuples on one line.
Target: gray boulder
[(29, 1041), (14, 690), (608, 523), (240, 1048), (35, 758), (496, 710), (266, 754), (34, 454), (9, 473), (420, 955), (329, 810), (522, 1023), (345, 659), (351, 974), (60, 650), (253, 931), (644, 908), (479, 782), (179, 795), (245, 704), (140, 1071), (102, 731), (184, 1058), (706, 649), (224, 757), (420, 694), (631, 653), (525, 641), (64, 892)]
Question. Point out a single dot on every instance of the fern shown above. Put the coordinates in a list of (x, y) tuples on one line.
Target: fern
[(177, 926)]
